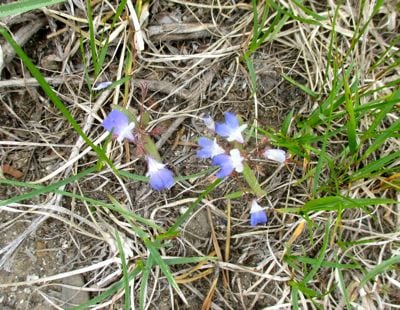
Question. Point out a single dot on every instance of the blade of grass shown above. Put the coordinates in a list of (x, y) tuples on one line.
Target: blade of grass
[(129, 215), (48, 188), (125, 275), (189, 211), (53, 97), (377, 167), (380, 269), (351, 104), (334, 203), (109, 292), (144, 281), (318, 263), (20, 7), (343, 288), (301, 86), (103, 50), (92, 40), (164, 267), (391, 132), (326, 264)]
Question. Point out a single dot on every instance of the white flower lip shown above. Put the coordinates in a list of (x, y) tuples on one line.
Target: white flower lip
[(255, 207), (237, 160), (154, 166), (216, 149), (236, 134), (275, 155), (125, 132)]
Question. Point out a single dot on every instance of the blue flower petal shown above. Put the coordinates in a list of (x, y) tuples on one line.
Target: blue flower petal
[(225, 163), (231, 129), (223, 129), (162, 179), (116, 121), (258, 218), (231, 120), (206, 147), (210, 148)]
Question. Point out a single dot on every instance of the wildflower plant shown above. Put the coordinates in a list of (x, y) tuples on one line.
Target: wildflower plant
[(124, 125), (233, 157)]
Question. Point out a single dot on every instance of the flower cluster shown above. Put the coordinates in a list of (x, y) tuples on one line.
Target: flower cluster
[(232, 160), (232, 131), (121, 127)]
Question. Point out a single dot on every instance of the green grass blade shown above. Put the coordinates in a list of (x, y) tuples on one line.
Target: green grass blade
[(125, 275), (109, 292), (92, 39), (144, 281), (391, 132), (187, 260), (343, 289), (48, 188), (252, 73), (380, 269), (20, 7), (351, 104), (291, 14), (103, 49), (308, 11), (163, 266), (378, 167), (334, 203), (189, 211), (301, 86), (286, 123), (129, 215), (294, 295), (252, 181), (318, 263), (52, 95), (326, 264)]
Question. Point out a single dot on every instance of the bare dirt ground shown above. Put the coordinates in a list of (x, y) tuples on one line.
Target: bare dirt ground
[(191, 66)]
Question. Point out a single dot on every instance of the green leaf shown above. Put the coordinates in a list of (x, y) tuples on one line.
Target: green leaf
[(155, 255), (326, 264), (144, 281), (125, 275), (25, 6), (379, 167), (351, 104), (46, 189), (286, 123), (334, 203), (189, 211), (53, 97), (150, 147), (380, 269), (109, 292), (301, 86), (252, 181)]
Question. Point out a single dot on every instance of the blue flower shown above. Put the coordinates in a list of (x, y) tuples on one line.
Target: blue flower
[(228, 163), (231, 130), (160, 177), (209, 148), (118, 123), (101, 85), (257, 214), (275, 155)]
